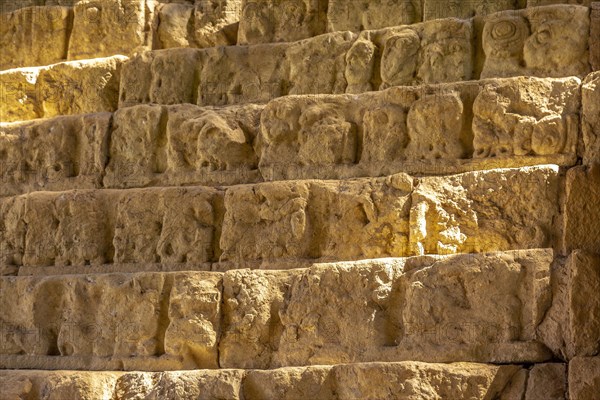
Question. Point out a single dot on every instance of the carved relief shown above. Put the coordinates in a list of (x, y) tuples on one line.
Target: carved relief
[(399, 58), (269, 21), (358, 15), (385, 134), (508, 121), (543, 41), (435, 126), (360, 62), (326, 136)]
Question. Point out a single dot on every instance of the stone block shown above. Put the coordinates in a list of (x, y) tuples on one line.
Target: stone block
[(55, 154), (503, 209), (436, 9), (34, 36), (590, 119), (549, 41), (433, 309), (359, 15), (581, 228), (584, 378), (113, 316), (102, 28), (269, 21)]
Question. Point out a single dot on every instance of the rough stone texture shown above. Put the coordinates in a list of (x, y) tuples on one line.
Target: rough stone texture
[(74, 87), (359, 15), (161, 146), (34, 36), (595, 36), (113, 316), (540, 41), (505, 209), (536, 3), (94, 227), (590, 99), (429, 309), (495, 123), (434, 9), (268, 21), (547, 381), (572, 326), (407, 380), (203, 24), (55, 154), (584, 378), (582, 209), (102, 28), (302, 219)]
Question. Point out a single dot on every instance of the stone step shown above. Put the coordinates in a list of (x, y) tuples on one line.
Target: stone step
[(479, 308), (348, 62), (438, 51), (39, 32), (45, 33), (74, 87), (395, 216), (375, 381), (269, 21), (427, 130), (507, 307)]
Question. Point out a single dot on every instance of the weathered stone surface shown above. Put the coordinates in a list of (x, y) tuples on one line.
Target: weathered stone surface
[(74, 87), (203, 24), (581, 228), (595, 36), (439, 309), (306, 219), (434, 9), (359, 15), (541, 41), (405, 380), (432, 52), (55, 154), (572, 326), (547, 381), (268, 21), (154, 145), (514, 121), (590, 99), (536, 3), (584, 378), (254, 74), (34, 36), (98, 227), (113, 316), (504, 209), (102, 28)]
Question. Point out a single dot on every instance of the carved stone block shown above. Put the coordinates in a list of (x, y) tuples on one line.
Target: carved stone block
[(269, 21), (540, 41)]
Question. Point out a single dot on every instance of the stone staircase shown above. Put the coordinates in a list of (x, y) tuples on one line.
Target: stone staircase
[(300, 199)]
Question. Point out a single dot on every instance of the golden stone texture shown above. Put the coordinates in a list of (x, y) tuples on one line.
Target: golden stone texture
[(300, 199)]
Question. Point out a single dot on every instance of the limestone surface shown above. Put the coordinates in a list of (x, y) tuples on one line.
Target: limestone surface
[(91, 227), (268, 21), (55, 154), (582, 209), (571, 328), (506, 209), (34, 36), (75, 87), (590, 99), (113, 317), (432, 309), (584, 378), (540, 41), (407, 380)]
